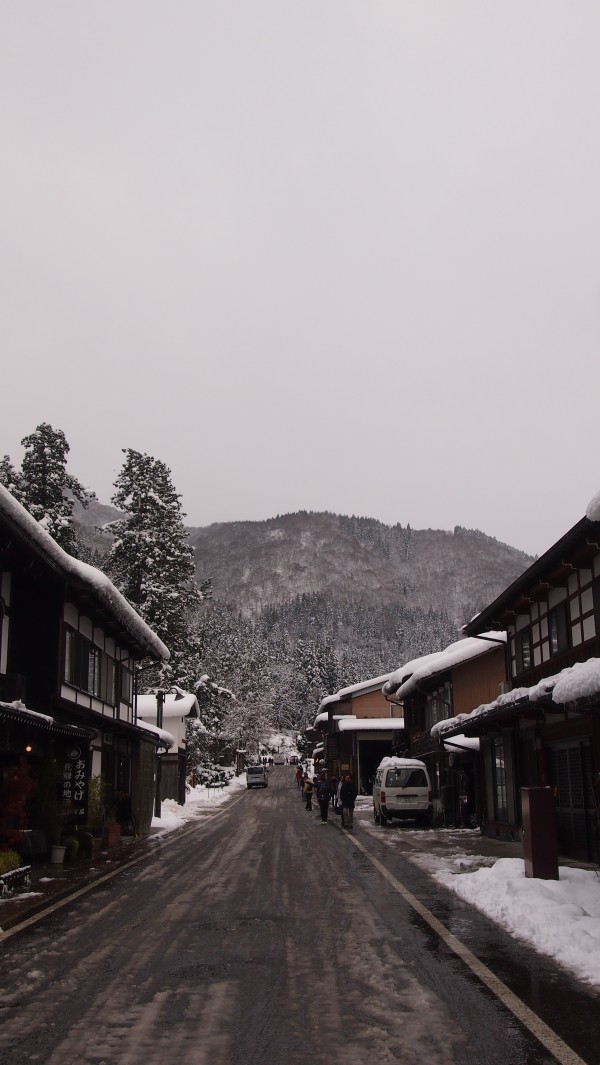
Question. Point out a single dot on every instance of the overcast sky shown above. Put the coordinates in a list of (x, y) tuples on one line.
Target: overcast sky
[(313, 254)]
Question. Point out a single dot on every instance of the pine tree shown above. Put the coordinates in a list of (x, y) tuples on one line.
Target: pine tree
[(152, 563), (45, 488)]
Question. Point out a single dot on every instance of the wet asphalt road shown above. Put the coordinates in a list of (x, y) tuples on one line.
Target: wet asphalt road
[(260, 936)]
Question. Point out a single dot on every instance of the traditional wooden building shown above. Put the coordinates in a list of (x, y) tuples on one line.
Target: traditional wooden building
[(69, 643), (178, 708), (545, 729), (435, 688), (357, 727)]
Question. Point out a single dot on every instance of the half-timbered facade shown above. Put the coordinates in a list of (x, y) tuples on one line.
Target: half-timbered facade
[(68, 647), (545, 729)]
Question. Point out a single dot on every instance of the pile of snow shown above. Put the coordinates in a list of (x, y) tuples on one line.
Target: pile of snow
[(198, 802), (558, 918)]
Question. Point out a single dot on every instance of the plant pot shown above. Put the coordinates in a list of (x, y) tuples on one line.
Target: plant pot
[(112, 836), (57, 854)]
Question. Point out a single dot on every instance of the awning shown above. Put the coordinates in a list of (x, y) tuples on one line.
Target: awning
[(19, 714)]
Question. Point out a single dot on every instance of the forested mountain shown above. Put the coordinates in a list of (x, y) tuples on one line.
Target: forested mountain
[(306, 603), (254, 565)]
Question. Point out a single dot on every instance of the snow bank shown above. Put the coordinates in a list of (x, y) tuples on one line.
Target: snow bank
[(559, 918), (199, 801)]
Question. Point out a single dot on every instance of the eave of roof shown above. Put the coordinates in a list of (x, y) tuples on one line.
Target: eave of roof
[(81, 575), (492, 615), (21, 715)]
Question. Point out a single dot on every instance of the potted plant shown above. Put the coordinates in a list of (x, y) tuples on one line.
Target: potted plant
[(97, 811), (112, 833)]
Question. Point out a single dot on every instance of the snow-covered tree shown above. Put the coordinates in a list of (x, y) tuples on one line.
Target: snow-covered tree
[(11, 478), (152, 563), (43, 485)]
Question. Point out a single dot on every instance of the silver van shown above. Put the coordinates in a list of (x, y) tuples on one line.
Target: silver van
[(402, 789), (256, 776)]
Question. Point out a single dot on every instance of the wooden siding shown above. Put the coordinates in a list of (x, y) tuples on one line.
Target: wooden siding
[(477, 681), (371, 704)]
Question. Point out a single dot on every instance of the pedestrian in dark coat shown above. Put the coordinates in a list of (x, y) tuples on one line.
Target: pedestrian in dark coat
[(348, 793), (307, 791), (333, 787), (323, 796)]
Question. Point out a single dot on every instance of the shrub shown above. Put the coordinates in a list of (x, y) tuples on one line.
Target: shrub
[(9, 860)]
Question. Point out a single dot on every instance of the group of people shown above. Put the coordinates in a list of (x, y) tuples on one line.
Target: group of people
[(341, 793)]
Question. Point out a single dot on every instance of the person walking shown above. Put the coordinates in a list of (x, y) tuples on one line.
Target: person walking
[(333, 788), (323, 796), (348, 793), (307, 791), (299, 776)]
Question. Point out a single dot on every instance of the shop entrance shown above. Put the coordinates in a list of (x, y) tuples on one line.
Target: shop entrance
[(576, 816)]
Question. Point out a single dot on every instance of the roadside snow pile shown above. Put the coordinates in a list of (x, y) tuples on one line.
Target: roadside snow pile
[(199, 801), (560, 918)]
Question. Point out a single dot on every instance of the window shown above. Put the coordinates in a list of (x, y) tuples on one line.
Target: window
[(499, 780), (88, 668), (406, 778), (523, 650), (126, 685), (437, 706), (557, 629)]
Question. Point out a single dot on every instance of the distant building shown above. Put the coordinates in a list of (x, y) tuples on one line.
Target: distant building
[(178, 708), (355, 728)]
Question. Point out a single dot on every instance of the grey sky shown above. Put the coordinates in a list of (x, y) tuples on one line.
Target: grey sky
[(329, 254)]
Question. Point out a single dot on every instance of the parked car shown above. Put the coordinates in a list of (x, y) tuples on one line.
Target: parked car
[(257, 776), (402, 789)]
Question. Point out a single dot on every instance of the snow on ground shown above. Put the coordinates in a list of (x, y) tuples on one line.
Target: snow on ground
[(198, 802), (559, 918)]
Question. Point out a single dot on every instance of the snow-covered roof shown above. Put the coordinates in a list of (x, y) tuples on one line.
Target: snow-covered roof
[(580, 681), (93, 579), (408, 677), (363, 687), (369, 724), (460, 741), (325, 717), (175, 705), (166, 738), (23, 711)]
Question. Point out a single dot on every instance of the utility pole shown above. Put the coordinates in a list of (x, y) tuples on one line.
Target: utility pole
[(160, 702)]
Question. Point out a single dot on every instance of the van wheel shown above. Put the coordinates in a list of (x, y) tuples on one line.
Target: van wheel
[(383, 820), (376, 816)]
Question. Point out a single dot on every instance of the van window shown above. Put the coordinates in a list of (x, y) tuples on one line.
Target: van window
[(255, 769), (408, 777)]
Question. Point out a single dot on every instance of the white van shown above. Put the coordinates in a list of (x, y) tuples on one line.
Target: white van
[(402, 789), (256, 776)]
